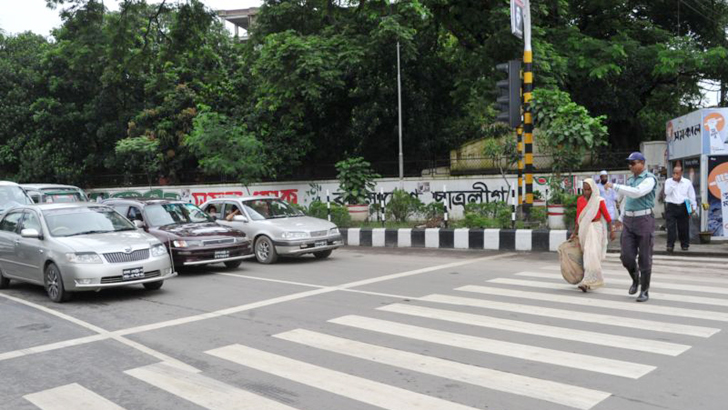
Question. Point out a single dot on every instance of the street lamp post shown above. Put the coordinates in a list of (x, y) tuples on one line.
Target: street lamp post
[(399, 128)]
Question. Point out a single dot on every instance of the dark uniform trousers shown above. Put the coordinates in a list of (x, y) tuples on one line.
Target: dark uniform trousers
[(638, 239)]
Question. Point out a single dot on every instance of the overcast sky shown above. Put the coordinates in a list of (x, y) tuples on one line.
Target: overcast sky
[(17, 16)]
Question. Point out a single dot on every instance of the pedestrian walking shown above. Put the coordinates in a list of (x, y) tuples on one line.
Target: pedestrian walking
[(681, 204), (609, 195), (594, 230), (638, 234)]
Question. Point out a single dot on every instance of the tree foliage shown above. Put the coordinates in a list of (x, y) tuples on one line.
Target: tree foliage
[(317, 80)]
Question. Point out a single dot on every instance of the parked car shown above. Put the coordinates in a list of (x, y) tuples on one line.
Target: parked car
[(11, 194), (276, 227), (78, 247), (53, 193), (192, 236)]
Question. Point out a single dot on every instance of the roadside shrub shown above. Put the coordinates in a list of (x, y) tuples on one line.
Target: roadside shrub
[(538, 215), (339, 213), (570, 210), (491, 215), (433, 210), (402, 206)]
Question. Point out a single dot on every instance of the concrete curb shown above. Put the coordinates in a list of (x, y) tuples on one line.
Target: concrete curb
[(525, 240)]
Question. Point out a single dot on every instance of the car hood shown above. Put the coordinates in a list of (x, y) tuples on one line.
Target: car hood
[(108, 242), (205, 229), (301, 223)]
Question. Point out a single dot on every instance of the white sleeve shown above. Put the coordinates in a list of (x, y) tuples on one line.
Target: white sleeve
[(691, 195), (621, 209), (641, 190)]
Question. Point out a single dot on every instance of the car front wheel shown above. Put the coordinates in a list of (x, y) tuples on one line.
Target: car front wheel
[(4, 282), (54, 284), (323, 254), (265, 251), (233, 264), (153, 285)]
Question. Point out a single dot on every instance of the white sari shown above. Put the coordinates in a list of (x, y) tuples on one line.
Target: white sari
[(593, 239)]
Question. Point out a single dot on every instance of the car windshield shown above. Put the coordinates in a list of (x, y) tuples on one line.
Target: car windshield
[(171, 214), (11, 196), (62, 196), (260, 209), (85, 221)]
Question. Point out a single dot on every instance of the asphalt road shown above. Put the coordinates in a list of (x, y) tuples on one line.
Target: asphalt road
[(367, 329)]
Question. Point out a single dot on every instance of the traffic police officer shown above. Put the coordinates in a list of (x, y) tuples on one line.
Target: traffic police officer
[(638, 234)]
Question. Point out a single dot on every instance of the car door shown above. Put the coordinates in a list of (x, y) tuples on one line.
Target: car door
[(31, 252), (8, 235), (231, 206)]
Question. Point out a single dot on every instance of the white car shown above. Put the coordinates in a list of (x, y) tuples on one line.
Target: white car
[(277, 228)]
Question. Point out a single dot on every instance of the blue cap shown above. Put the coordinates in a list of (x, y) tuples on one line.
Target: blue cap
[(636, 156)]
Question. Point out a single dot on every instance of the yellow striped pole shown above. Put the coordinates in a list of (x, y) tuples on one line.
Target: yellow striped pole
[(519, 133), (528, 123)]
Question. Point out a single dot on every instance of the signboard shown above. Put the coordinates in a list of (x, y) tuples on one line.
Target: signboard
[(517, 18), (715, 131), (718, 195), (684, 136)]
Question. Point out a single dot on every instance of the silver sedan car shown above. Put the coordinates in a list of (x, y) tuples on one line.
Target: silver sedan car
[(78, 247), (276, 227)]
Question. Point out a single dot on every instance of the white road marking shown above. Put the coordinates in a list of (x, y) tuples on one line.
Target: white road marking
[(559, 393), (103, 335), (654, 284), (658, 276), (497, 347), (202, 390), (701, 300), (70, 396), (342, 384), (51, 346), (601, 303), (301, 295), (621, 321), (602, 339)]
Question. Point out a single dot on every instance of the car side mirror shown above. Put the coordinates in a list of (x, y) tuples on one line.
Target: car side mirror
[(240, 218), (31, 233), (139, 224)]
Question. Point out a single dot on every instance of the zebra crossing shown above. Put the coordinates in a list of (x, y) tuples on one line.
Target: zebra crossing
[(525, 297)]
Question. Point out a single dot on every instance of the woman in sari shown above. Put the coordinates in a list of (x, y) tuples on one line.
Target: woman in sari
[(593, 230)]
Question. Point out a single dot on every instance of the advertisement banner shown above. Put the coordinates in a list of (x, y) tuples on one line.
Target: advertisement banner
[(684, 136), (715, 132), (718, 195)]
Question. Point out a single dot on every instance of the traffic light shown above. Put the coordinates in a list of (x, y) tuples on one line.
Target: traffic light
[(509, 94)]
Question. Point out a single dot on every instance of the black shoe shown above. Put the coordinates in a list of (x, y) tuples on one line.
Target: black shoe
[(645, 282), (670, 249), (635, 282)]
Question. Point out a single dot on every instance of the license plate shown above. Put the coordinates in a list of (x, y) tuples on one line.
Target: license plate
[(222, 254), (133, 273), (319, 244)]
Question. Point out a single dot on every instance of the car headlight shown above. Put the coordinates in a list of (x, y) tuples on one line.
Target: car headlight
[(334, 231), (84, 257), (159, 250), (295, 235), (186, 244)]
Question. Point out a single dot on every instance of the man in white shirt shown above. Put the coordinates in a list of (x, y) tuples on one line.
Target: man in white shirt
[(679, 192), (609, 195)]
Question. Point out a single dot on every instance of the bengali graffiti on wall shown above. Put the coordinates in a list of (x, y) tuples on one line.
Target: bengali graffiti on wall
[(455, 192)]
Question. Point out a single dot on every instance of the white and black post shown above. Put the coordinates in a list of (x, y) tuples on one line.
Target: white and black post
[(328, 206)]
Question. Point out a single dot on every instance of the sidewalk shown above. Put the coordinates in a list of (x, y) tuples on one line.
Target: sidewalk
[(714, 249)]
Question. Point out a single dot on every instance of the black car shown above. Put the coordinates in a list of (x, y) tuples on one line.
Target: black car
[(191, 235)]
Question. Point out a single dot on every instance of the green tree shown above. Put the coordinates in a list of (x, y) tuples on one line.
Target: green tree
[(140, 153), (226, 148)]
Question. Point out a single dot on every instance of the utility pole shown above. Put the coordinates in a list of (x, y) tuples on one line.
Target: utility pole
[(527, 97), (399, 128)]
